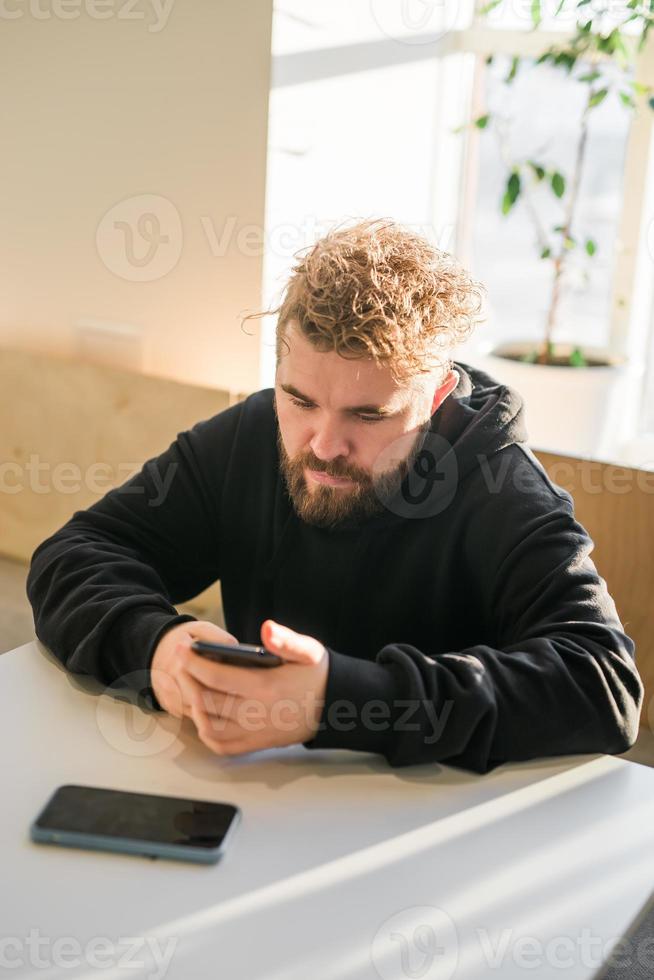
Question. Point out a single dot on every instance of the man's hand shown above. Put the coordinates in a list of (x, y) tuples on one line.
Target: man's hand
[(243, 709), (175, 688)]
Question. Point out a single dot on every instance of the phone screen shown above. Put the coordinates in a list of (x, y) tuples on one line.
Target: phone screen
[(143, 816)]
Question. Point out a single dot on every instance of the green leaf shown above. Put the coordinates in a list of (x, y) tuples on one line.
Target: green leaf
[(613, 43), (546, 252), (591, 247), (486, 9), (539, 172), (557, 181), (559, 8), (566, 58), (512, 192), (643, 36), (513, 71), (536, 14), (590, 76), (597, 97), (619, 46), (481, 122), (577, 358), (627, 100), (569, 243), (639, 88)]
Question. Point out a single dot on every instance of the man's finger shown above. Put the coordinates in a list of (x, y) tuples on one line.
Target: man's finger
[(218, 732), (231, 739), (242, 681), (203, 630), (216, 703), (292, 646), (191, 692)]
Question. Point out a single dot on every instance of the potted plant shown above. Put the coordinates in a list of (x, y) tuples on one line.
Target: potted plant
[(592, 384)]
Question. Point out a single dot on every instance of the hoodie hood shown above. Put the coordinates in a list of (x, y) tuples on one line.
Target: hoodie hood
[(479, 418)]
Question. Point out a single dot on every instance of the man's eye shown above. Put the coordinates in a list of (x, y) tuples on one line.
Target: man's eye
[(363, 418)]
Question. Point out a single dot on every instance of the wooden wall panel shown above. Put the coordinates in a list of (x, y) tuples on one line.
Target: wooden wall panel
[(616, 506), (61, 420)]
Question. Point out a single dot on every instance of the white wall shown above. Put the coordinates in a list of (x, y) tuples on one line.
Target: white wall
[(166, 105)]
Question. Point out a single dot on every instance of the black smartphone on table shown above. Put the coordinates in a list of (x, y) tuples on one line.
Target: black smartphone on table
[(100, 819), (240, 654)]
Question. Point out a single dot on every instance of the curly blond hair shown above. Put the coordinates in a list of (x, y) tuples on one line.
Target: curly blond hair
[(377, 289)]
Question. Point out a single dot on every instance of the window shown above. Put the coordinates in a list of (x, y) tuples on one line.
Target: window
[(342, 144), (519, 281), (365, 99)]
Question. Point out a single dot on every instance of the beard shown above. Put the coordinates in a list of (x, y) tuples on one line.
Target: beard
[(328, 507)]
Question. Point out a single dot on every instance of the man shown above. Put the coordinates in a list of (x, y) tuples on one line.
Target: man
[(376, 520)]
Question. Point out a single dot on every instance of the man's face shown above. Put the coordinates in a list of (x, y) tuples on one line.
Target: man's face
[(347, 432)]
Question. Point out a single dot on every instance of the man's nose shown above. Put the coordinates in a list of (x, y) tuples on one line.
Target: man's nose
[(328, 442)]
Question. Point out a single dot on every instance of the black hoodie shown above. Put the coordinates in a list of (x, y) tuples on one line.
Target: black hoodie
[(466, 623)]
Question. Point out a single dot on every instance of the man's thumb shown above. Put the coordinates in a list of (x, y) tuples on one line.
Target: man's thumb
[(292, 646)]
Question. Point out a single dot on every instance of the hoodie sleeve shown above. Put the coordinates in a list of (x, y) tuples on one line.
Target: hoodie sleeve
[(103, 587), (556, 676)]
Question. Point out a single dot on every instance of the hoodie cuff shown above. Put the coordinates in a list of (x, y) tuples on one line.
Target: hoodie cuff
[(133, 640), (358, 711)]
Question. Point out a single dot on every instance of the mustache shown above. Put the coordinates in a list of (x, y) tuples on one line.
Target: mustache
[(307, 460), (311, 463)]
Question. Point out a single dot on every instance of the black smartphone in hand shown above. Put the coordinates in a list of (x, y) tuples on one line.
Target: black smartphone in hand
[(240, 654)]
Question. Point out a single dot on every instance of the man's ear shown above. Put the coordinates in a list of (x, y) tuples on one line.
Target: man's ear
[(441, 393)]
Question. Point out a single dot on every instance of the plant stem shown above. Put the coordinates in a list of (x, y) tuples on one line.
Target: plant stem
[(504, 147), (566, 234)]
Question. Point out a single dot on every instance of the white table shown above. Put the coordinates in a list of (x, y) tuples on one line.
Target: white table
[(339, 867)]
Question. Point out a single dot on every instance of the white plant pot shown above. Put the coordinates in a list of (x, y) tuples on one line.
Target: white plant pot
[(583, 411)]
